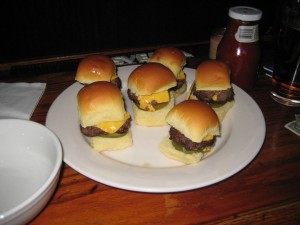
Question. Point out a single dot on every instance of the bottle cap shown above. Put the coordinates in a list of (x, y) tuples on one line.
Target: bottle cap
[(245, 13)]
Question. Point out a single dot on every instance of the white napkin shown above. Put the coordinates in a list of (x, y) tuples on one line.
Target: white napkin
[(18, 100)]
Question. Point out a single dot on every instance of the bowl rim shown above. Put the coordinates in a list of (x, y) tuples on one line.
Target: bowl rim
[(21, 208)]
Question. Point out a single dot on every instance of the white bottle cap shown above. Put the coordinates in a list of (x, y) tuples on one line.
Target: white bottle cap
[(245, 13)]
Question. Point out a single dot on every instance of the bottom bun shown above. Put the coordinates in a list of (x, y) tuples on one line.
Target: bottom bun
[(105, 144), (166, 147), (222, 111), (152, 119)]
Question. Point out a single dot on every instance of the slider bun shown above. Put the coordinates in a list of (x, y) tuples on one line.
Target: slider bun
[(212, 75), (150, 78), (167, 148), (170, 57), (223, 110), (194, 119), (95, 68), (99, 102), (107, 144)]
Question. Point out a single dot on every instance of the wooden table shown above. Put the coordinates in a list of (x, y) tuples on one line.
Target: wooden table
[(267, 191)]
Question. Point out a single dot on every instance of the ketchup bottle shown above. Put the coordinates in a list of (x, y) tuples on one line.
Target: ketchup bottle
[(240, 47)]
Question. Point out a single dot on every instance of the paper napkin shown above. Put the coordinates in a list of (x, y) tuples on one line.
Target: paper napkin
[(18, 100)]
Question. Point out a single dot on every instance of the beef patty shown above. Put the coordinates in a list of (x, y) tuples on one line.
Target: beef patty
[(180, 83), (117, 81), (179, 138), (223, 95), (91, 131)]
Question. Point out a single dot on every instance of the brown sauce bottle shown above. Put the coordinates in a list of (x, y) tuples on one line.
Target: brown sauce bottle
[(240, 47)]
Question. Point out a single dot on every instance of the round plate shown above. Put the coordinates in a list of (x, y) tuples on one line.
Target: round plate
[(143, 167)]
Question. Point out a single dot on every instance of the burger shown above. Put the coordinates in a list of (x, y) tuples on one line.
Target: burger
[(175, 60), (193, 131), (103, 118), (213, 86), (149, 88), (97, 68)]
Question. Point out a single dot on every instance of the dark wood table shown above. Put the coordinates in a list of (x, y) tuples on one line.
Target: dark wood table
[(267, 191)]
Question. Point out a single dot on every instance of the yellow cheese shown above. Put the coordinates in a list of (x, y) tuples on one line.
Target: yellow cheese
[(215, 97), (208, 138), (113, 126), (114, 76), (145, 100), (181, 75)]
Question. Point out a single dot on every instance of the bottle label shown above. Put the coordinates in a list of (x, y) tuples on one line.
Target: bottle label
[(247, 34)]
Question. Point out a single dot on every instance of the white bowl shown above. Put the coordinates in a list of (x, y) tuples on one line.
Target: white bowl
[(30, 162)]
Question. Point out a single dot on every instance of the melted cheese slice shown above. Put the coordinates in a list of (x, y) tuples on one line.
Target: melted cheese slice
[(208, 137), (145, 100), (114, 76), (215, 97), (181, 75), (113, 126)]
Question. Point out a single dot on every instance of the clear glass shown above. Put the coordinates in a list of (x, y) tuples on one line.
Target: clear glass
[(286, 76)]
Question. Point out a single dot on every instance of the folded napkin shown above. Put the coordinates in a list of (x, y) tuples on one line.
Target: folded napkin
[(18, 100)]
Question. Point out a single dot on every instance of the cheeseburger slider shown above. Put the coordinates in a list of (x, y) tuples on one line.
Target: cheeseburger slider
[(97, 68), (149, 88), (175, 60), (212, 85), (103, 117), (194, 127)]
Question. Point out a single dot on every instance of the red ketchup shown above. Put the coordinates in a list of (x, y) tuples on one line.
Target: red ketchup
[(239, 47)]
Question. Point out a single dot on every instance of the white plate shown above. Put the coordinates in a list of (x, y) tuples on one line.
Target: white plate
[(143, 167)]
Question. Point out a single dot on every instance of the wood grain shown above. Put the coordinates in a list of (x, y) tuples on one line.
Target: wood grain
[(267, 191)]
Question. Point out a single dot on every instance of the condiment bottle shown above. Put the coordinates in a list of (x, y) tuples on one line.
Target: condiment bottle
[(240, 47)]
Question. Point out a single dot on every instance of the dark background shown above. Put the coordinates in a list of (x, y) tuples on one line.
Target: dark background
[(39, 29)]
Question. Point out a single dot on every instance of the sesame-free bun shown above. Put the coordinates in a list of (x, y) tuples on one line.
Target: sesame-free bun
[(95, 68), (167, 148), (212, 75), (101, 144), (194, 119), (150, 78), (170, 57), (100, 102), (223, 110)]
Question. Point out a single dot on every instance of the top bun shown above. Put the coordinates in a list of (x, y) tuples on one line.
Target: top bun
[(170, 57), (100, 102), (212, 75), (150, 78), (194, 119), (95, 68)]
